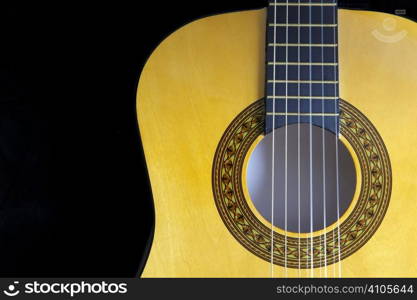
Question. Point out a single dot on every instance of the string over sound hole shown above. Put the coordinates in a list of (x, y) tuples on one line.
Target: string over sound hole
[(305, 178)]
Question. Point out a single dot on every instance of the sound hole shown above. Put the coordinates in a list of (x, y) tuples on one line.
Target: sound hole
[(311, 193)]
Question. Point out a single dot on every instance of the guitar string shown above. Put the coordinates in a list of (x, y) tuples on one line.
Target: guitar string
[(298, 140), (311, 167), (286, 144), (323, 152), (337, 153), (273, 143), (311, 152), (322, 85)]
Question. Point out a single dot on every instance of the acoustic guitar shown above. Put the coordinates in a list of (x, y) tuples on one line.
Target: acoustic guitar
[(281, 142)]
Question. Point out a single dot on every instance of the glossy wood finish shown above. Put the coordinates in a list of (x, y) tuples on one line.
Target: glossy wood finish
[(203, 75)]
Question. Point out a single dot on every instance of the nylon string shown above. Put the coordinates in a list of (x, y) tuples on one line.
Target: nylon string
[(286, 144), (311, 155), (337, 157), (324, 150), (273, 143), (298, 140)]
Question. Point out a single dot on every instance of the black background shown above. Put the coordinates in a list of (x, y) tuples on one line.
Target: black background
[(74, 193)]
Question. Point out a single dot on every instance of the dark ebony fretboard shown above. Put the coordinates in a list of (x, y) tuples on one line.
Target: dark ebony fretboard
[(302, 64)]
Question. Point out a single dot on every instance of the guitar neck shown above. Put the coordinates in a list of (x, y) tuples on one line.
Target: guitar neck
[(302, 77)]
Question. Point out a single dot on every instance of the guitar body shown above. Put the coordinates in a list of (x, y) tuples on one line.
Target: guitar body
[(203, 76)]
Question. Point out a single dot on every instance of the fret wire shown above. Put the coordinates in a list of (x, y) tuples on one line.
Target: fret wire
[(303, 97), (303, 4), (303, 81), (301, 45), (301, 64), (303, 114), (301, 25)]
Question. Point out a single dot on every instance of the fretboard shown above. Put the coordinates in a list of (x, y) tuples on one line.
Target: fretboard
[(302, 64)]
